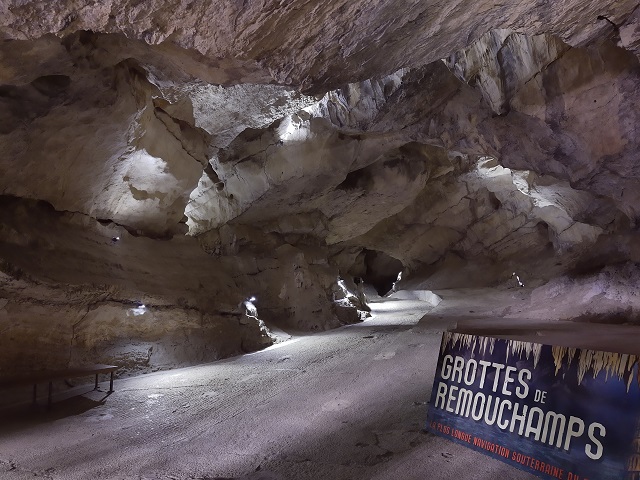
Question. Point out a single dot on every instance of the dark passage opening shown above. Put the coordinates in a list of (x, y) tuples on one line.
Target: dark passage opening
[(381, 270)]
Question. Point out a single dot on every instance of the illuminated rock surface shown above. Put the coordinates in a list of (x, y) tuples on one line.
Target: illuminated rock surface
[(185, 181), (187, 158)]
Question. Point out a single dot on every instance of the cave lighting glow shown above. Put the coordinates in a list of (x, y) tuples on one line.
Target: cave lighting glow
[(520, 284), (250, 309), (287, 129), (141, 309), (343, 287)]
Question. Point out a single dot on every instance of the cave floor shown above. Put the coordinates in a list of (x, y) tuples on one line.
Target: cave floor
[(344, 404)]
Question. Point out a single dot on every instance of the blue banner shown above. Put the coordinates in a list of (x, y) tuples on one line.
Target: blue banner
[(556, 412)]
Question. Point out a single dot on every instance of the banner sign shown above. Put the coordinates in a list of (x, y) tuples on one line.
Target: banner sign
[(556, 412)]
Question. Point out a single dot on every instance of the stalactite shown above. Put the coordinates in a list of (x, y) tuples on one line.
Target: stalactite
[(559, 354), (613, 364), (620, 365), (471, 342), (520, 348), (468, 341)]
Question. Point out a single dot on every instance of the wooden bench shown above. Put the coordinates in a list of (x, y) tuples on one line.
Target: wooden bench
[(49, 376)]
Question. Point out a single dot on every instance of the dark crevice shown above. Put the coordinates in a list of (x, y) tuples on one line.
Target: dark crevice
[(381, 270), (358, 179), (14, 205), (615, 27), (51, 85)]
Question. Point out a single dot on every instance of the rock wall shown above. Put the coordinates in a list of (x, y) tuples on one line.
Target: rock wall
[(189, 158), (72, 294), (318, 46), (52, 327)]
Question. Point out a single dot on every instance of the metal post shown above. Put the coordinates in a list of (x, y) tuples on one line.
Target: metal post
[(96, 387), (111, 383)]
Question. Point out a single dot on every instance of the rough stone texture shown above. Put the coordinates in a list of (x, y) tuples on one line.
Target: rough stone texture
[(276, 149), (501, 64), (133, 127), (81, 300), (56, 327), (303, 42)]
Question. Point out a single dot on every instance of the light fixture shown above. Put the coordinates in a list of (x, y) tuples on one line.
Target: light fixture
[(520, 284), (140, 309), (250, 309)]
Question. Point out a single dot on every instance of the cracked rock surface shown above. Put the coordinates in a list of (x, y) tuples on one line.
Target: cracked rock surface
[(187, 159)]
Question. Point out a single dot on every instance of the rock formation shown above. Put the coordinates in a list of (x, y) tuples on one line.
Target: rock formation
[(163, 162)]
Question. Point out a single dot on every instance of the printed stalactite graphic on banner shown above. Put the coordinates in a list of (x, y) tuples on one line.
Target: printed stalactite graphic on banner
[(560, 413)]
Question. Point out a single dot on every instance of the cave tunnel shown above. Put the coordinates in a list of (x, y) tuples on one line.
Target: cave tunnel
[(381, 270), (189, 190)]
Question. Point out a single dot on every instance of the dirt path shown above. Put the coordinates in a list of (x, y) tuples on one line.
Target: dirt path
[(347, 404)]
